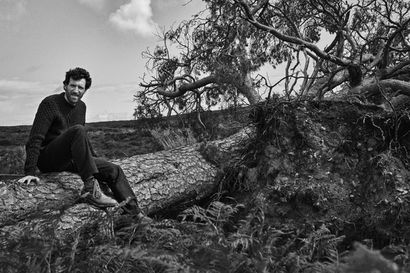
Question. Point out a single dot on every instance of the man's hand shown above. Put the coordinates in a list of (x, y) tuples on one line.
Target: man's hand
[(29, 178)]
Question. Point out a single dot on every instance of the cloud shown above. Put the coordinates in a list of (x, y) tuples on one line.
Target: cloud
[(96, 5), (15, 89), (134, 16), (19, 99), (31, 69), (12, 10)]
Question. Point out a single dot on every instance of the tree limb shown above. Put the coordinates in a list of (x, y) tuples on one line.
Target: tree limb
[(183, 88), (290, 39)]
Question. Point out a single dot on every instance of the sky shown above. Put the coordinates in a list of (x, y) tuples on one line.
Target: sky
[(41, 39)]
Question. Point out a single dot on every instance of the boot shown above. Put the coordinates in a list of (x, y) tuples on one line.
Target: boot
[(132, 209), (92, 194), (106, 189), (127, 220)]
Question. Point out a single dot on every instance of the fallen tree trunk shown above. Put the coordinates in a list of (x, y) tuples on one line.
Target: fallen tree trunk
[(159, 180)]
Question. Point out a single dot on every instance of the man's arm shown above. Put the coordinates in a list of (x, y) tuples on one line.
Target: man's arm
[(41, 125)]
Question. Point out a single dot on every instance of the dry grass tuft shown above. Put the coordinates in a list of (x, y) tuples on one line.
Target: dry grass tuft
[(170, 138)]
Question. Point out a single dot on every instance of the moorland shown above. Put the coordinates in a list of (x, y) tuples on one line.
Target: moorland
[(321, 187)]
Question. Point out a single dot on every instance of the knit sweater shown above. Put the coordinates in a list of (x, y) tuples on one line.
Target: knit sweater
[(54, 116)]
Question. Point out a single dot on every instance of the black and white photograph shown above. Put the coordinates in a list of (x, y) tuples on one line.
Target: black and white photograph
[(205, 136)]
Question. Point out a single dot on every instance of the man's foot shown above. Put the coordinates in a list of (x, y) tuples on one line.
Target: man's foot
[(92, 194), (106, 190), (136, 220)]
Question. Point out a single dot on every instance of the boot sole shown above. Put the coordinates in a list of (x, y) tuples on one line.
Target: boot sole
[(99, 205)]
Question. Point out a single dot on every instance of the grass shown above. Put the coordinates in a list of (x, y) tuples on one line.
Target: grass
[(12, 159), (173, 137), (260, 230)]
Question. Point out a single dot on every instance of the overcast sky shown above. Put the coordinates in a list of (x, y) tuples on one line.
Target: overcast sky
[(42, 39)]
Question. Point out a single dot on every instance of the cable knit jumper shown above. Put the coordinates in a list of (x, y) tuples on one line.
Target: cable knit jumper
[(54, 116)]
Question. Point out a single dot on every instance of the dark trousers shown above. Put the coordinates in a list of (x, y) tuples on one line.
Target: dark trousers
[(71, 152)]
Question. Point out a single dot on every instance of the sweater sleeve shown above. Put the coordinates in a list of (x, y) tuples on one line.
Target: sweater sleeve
[(41, 125)]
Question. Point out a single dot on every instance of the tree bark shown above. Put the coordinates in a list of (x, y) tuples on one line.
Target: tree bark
[(159, 180), (247, 90), (390, 85)]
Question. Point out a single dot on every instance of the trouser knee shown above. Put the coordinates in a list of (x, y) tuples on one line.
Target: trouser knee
[(77, 131), (114, 173)]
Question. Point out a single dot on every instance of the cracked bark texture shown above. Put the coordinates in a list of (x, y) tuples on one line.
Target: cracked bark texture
[(159, 180)]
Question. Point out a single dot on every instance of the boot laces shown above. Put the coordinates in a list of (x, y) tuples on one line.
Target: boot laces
[(96, 190)]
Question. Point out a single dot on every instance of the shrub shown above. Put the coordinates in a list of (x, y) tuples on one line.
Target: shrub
[(173, 137), (12, 159)]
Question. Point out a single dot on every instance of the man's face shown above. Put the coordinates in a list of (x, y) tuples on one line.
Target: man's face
[(74, 90)]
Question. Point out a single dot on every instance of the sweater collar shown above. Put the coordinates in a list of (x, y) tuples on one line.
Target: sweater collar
[(66, 101)]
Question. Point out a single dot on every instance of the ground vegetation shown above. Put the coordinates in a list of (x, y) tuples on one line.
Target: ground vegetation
[(320, 187)]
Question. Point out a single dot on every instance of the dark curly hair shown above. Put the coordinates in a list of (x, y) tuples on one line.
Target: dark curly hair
[(76, 74)]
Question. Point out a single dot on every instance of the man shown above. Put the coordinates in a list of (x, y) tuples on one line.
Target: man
[(58, 142)]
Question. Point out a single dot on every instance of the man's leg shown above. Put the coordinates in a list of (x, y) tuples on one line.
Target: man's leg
[(71, 152), (114, 176)]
